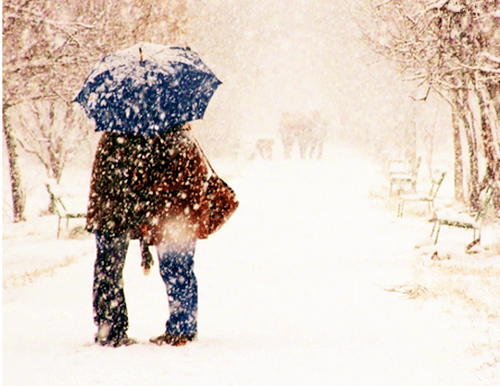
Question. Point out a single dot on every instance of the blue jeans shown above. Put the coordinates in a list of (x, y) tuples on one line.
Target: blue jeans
[(108, 295), (176, 262)]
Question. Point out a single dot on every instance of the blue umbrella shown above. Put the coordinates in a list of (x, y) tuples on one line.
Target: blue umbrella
[(147, 89)]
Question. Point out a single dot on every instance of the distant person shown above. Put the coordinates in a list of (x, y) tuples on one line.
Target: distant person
[(288, 133), (304, 129), (263, 147), (318, 135)]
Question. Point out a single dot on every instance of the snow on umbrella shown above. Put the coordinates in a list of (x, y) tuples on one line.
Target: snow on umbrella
[(147, 89)]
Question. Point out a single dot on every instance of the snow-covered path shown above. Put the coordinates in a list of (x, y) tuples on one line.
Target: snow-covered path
[(290, 293)]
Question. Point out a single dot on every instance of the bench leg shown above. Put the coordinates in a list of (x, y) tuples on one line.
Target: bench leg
[(58, 226), (435, 228), (474, 242), (437, 234), (401, 208), (478, 234)]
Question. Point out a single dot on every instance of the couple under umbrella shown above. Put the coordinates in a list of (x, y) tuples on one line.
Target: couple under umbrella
[(149, 180)]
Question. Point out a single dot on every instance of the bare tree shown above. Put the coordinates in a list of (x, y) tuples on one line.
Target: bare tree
[(24, 28), (37, 41), (53, 132), (451, 48), (48, 49)]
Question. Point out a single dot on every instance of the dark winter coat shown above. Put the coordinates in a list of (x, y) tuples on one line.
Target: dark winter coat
[(150, 187), (118, 187)]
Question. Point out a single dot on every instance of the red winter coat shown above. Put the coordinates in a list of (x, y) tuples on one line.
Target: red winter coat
[(178, 209)]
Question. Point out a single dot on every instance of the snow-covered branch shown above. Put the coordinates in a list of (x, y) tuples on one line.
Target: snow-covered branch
[(477, 68), (490, 57), (438, 5), (453, 8)]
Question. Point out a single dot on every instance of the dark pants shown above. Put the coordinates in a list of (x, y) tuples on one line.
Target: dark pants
[(177, 271), (109, 305)]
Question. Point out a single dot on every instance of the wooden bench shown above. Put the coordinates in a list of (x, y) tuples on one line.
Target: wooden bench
[(403, 173), (59, 207), (437, 180), (456, 219)]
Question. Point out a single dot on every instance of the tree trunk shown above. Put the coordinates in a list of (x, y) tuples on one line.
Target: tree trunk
[(473, 182), (490, 147), (18, 196), (457, 144), (494, 93)]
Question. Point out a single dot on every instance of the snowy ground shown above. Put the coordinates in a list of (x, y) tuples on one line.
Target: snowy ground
[(314, 281)]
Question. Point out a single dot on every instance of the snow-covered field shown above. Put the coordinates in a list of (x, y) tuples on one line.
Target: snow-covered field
[(314, 281)]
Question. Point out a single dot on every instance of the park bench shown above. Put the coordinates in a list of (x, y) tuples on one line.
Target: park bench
[(437, 180), (403, 173), (452, 218), (61, 209)]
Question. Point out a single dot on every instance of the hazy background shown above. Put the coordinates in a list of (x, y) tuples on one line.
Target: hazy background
[(302, 55)]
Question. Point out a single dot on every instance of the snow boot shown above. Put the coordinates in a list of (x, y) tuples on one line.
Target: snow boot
[(172, 340)]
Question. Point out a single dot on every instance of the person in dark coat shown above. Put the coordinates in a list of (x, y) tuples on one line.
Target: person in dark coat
[(114, 214)]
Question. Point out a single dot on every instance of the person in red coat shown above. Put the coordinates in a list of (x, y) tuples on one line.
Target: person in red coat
[(177, 216)]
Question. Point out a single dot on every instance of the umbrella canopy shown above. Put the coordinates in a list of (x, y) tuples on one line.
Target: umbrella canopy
[(147, 89)]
